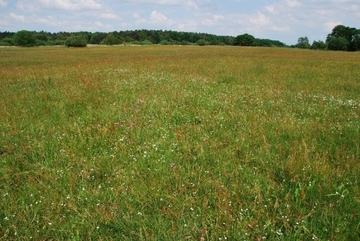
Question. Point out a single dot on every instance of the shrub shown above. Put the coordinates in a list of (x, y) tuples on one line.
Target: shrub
[(24, 38), (201, 42), (245, 40), (164, 42), (7, 42), (40, 43), (146, 42), (76, 41), (318, 45), (111, 39)]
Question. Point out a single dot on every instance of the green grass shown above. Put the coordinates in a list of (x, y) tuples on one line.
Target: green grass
[(179, 143)]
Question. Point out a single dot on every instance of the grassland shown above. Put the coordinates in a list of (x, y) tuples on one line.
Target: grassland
[(179, 143)]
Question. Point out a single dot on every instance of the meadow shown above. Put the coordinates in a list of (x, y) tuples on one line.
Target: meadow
[(179, 143)]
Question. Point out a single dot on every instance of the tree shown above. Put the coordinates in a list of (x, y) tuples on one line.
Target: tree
[(214, 40), (111, 39), (337, 43), (303, 42), (341, 32), (97, 37), (269, 43), (355, 41), (76, 41), (245, 40), (157, 37), (318, 45), (24, 38)]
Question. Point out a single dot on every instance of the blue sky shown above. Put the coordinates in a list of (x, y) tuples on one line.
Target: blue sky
[(284, 20)]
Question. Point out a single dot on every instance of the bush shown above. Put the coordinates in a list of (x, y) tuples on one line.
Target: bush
[(7, 42), (318, 45), (111, 39), (185, 42), (164, 42), (40, 43), (245, 40), (146, 42), (24, 38), (201, 42), (76, 41)]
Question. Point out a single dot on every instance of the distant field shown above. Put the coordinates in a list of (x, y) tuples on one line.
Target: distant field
[(179, 143)]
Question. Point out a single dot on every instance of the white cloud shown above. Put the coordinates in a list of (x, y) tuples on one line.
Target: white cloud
[(180, 3), (102, 25), (136, 15), (58, 4), (28, 7), (212, 20), (110, 16), (292, 3), (71, 4), (17, 17), (139, 21), (331, 24), (218, 17), (3, 3), (181, 27), (207, 22), (155, 16), (289, 19), (259, 19)]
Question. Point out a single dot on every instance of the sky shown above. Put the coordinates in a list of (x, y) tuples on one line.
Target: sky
[(283, 20)]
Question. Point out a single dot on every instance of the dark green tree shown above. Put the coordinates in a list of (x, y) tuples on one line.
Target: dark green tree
[(318, 45), (111, 39), (214, 40), (303, 42), (245, 40), (337, 43), (351, 35), (269, 43), (24, 38), (129, 39), (143, 35), (157, 37), (76, 41), (355, 41), (97, 37), (341, 31)]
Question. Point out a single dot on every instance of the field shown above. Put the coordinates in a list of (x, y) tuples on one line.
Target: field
[(179, 143)]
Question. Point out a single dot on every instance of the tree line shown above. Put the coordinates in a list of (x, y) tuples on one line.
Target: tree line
[(342, 38), (26, 38)]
